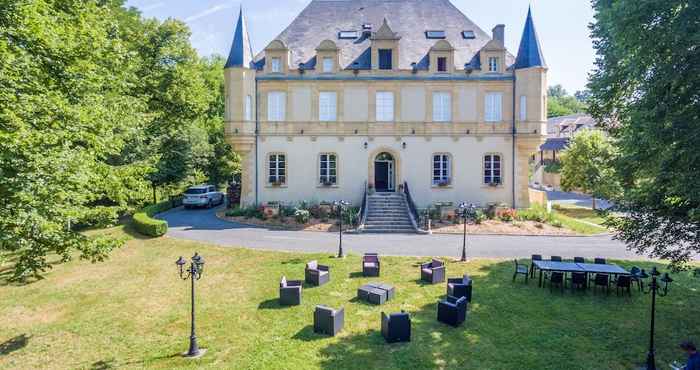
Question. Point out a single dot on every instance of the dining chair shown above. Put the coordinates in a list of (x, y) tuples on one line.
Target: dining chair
[(600, 261), (579, 260), (520, 269), (555, 258), (556, 278), (535, 257)]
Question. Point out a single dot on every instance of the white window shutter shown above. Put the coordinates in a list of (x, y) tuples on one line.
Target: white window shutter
[(499, 107), (523, 107)]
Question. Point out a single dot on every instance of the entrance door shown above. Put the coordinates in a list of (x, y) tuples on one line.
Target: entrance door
[(384, 173)]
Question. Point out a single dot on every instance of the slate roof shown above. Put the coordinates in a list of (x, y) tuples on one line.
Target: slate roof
[(323, 19), (555, 143), (568, 125), (530, 50), (241, 54)]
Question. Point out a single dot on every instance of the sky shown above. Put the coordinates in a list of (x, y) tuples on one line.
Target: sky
[(562, 26)]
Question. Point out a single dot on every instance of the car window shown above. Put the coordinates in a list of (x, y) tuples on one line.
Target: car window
[(195, 191), (211, 189)]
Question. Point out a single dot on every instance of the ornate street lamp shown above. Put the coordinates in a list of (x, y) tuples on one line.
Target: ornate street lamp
[(654, 288), (340, 204), (465, 211), (194, 272)]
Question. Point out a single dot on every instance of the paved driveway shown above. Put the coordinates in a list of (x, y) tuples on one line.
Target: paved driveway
[(576, 199), (203, 225)]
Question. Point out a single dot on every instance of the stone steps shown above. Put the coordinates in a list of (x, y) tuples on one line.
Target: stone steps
[(387, 213)]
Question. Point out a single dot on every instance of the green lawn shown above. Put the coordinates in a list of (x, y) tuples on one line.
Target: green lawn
[(579, 219), (132, 312)]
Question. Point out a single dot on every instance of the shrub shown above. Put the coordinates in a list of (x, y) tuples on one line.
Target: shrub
[(302, 216), (553, 167), (479, 217), (287, 211), (557, 223), (236, 212), (537, 213), (507, 215), (145, 224)]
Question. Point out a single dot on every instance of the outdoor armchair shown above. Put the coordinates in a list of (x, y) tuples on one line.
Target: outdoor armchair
[(328, 321), (460, 287), (290, 292), (452, 311), (396, 327), (433, 272), (370, 264), (316, 274)]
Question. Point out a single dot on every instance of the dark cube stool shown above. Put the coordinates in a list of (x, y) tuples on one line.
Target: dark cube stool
[(377, 296), (396, 327)]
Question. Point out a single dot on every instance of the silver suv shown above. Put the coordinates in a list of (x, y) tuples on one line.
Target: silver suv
[(202, 196)]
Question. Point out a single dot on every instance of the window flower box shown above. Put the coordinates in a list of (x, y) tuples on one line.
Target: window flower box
[(327, 183), (444, 183), (276, 184)]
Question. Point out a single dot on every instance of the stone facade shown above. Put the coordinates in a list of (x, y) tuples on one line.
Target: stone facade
[(462, 133)]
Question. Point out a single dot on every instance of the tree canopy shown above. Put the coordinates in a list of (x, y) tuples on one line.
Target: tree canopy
[(646, 89), (97, 105), (560, 103)]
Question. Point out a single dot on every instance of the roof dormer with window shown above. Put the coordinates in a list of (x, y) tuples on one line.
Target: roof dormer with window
[(327, 57), (385, 48), (277, 58), (442, 57), (493, 54)]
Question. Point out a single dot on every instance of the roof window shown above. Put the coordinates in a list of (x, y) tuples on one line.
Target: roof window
[(468, 35), (435, 34), (347, 34)]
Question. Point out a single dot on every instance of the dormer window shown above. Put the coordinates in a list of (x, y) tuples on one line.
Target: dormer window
[(385, 59), (276, 65), (468, 35), (442, 64), (493, 64), (435, 34)]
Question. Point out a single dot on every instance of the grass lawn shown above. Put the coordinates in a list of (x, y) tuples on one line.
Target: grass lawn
[(133, 312), (579, 219)]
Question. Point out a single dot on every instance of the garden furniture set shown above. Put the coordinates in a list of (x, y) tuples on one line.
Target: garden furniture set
[(581, 275), (395, 327)]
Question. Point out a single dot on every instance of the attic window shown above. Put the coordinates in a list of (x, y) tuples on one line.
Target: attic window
[(468, 35), (347, 34), (435, 34), (367, 26)]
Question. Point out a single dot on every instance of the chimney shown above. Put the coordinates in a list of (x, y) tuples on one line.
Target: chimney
[(499, 33)]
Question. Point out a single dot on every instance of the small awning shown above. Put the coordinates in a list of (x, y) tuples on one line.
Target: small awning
[(555, 144)]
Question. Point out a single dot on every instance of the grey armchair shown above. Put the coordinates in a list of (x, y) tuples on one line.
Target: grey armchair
[(433, 272), (328, 321), (290, 292), (370, 264), (316, 274), (460, 287), (396, 327)]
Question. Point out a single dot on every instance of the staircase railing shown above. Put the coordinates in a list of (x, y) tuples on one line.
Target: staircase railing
[(411, 205), (362, 213)]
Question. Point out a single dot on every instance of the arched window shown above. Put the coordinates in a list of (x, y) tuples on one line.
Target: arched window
[(492, 169), (442, 169)]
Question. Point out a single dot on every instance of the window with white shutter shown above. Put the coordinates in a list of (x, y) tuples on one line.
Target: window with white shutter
[(276, 106), (523, 108), (442, 107), (327, 65), (385, 106), (494, 107), (248, 108), (327, 106)]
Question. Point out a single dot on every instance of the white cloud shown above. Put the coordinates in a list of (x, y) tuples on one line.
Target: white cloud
[(208, 11)]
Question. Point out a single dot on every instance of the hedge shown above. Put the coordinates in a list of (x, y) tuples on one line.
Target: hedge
[(144, 222)]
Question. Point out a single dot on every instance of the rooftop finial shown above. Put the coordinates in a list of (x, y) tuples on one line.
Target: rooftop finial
[(241, 54)]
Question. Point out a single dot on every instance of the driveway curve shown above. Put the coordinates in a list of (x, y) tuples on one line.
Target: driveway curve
[(203, 225)]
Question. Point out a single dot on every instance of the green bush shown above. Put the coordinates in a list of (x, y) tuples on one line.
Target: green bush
[(537, 213), (302, 216), (479, 217), (236, 212), (553, 167), (145, 224)]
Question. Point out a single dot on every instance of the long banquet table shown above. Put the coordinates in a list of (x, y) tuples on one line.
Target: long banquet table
[(588, 268)]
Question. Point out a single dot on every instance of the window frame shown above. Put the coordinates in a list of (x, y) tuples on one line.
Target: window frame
[(442, 68), (384, 117), (444, 115), (276, 65), (384, 52), (490, 166), (277, 169), (248, 109), (281, 113), (331, 179), (493, 64), (444, 161), (330, 116), (327, 68)]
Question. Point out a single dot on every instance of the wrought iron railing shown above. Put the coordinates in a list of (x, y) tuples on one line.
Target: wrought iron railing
[(411, 205), (362, 212)]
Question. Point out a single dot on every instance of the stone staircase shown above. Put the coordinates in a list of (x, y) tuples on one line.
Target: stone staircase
[(388, 213)]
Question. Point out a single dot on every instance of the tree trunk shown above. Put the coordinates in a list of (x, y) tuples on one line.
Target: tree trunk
[(155, 199)]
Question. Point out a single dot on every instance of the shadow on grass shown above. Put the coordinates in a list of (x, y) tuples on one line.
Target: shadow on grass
[(307, 334), (356, 275), (13, 344)]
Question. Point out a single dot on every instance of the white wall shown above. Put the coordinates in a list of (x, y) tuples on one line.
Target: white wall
[(414, 162)]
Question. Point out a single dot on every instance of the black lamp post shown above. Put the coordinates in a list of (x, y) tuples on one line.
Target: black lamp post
[(654, 288), (194, 272), (465, 211), (340, 204)]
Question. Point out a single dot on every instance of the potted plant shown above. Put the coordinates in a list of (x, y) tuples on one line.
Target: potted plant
[(276, 183), (327, 183), (494, 184), (444, 183)]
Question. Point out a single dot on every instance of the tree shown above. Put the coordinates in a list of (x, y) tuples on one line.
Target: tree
[(645, 89), (586, 165), (562, 104)]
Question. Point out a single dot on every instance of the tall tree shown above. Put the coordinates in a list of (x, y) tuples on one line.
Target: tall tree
[(561, 103), (587, 166), (646, 88)]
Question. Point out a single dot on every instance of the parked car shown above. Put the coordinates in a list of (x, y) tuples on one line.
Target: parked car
[(202, 196)]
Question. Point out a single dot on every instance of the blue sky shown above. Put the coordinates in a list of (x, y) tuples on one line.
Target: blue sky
[(561, 24)]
